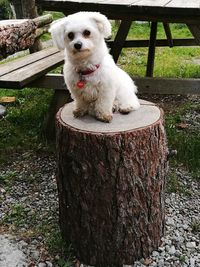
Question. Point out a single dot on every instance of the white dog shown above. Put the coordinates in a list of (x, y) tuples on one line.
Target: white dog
[(96, 84)]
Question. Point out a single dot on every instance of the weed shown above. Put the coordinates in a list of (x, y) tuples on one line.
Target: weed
[(58, 246), (17, 216), (174, 185), (195, 226), (7, 177), (182, 258)]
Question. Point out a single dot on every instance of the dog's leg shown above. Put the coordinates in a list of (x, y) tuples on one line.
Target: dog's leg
[(128, 104), (103, 108), (81, 108)]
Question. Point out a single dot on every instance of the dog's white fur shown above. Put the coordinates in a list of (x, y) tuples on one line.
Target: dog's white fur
[(108, 86)]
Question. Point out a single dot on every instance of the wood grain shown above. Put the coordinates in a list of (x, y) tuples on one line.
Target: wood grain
[(27, 73)]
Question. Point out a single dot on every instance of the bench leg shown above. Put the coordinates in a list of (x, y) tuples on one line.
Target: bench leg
[(168, 34), (60, 98), (195, 30), (120, 38), (152, 47)]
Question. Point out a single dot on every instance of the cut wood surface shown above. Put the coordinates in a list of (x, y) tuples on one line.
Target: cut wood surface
[(134, 120), (111, 179)]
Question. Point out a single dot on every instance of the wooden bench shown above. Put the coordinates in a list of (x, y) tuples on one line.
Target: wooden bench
[(23, 71), (31, 71)]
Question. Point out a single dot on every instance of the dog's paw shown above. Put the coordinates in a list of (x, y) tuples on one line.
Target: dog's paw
[(79, 113), (104, 117), (125, 110)]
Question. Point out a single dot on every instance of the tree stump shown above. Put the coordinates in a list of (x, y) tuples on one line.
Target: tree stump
[(111, 180)]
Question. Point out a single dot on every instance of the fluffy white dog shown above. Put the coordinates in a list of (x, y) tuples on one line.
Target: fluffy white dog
[(96, 83)]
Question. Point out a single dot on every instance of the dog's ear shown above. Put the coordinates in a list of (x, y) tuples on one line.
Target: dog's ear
[(103, 23), (57, 31)]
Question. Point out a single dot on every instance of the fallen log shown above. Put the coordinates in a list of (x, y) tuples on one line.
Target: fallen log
[(18, 35)]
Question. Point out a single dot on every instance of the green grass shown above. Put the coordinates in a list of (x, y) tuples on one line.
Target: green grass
[(185, 141), (22, 128), (169, 62)]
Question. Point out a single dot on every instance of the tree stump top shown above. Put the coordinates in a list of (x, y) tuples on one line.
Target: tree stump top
[(147, 115)]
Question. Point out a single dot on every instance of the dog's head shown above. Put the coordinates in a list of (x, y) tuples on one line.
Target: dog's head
[(80, 33)]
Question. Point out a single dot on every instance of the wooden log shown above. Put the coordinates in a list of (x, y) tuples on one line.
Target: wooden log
[(111, 180), (18, 35)]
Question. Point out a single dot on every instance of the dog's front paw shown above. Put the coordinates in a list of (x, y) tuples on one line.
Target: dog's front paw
[(79, 112), (125, 110), (104, 117)]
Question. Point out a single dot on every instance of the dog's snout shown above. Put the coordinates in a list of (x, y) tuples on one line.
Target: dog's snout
[(78, 45)]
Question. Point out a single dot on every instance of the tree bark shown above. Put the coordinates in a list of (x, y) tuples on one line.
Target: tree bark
[(18, 35), (111, 180), (27, 9)]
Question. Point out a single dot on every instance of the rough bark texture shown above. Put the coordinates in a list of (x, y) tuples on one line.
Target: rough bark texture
[(15, 38), (21, 35), (27, 9), (111, 192)]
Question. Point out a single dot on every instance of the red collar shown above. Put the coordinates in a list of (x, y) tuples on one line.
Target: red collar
[(89, 71), (81, 82)]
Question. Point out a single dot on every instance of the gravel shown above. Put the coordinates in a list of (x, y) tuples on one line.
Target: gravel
[(28, 202), (35, 190)]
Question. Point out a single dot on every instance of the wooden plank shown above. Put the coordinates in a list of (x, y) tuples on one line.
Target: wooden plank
[(50, 81), (23, 76), (121, 10), (183, 3), (152, 46), (168, 86), (145, 85), (120, 38), (153, 3), (159, 43), (20, 62)]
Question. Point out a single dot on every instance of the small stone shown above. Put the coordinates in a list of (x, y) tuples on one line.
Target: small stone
[(35, 255), (42, 264), (170, 221), (167, 201), (172, 250), (2, 110), (155, 254), (185, 226), (22, 244), (191, 245), (147, 261), (161, 263), (192, 262), (49, 264)]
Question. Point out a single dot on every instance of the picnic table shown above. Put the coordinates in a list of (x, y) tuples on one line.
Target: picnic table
[(154, 11)]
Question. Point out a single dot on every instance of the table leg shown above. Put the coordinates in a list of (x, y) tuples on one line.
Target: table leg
[(120, 38), (168, 34), (195, 30), (151, 53)]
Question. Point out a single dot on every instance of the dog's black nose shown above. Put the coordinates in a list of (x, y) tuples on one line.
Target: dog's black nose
[(78, 45)]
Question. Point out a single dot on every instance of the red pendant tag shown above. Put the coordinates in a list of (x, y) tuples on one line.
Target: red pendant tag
[(80, 84)]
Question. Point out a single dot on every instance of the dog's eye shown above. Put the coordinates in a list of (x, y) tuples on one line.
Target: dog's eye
[(71, 35), (86, 33)]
